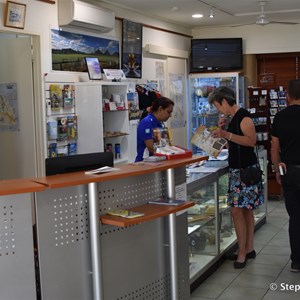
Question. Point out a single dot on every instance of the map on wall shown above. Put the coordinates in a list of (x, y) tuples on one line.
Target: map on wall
[(9, 120), (177, 95), (70, 49)]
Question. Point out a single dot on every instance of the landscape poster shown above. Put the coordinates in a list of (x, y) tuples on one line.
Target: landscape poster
[(70, 49)]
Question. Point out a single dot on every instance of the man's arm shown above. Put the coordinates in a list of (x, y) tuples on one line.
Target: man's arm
[(275, 156)]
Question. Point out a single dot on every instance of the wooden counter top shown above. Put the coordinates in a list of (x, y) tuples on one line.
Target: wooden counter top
[(151, 211), (78, 178), (19, 186)]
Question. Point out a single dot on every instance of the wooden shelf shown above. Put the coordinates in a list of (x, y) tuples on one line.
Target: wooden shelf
[(151, 212), (19, 186), (134, 169)]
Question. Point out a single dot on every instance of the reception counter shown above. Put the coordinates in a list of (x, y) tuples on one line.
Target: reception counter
[(84, 254), (17, 268)]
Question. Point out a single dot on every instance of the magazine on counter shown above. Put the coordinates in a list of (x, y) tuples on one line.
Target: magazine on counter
[(204, 139), (129, 214), (166, 201)]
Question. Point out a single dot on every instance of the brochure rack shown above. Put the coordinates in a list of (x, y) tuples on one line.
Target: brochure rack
[(62, 122), (264, 103)]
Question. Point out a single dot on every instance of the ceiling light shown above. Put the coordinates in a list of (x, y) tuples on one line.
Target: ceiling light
[(175, 8), (197, 16), (211, 14)]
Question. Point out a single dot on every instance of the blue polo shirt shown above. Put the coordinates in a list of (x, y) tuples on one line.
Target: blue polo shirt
[(144, 132)]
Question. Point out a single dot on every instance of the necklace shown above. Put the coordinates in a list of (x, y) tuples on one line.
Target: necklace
[(236, 110)]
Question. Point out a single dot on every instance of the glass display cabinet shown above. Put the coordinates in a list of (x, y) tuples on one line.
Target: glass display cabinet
[(211, 231), (200, 86)]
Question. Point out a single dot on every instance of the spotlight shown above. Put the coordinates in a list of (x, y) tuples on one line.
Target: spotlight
[(211, 14)]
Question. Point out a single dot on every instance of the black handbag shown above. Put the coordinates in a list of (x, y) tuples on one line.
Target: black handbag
[(251, 175)]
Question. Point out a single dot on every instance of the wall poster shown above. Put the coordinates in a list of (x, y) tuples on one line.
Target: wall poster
[(9, 120), (70, 49), (132, 49)]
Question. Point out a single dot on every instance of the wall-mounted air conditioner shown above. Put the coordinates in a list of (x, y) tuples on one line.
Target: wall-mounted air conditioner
[(74, 13)]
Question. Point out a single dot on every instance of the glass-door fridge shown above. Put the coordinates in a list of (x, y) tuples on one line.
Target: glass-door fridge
[(200, 86)]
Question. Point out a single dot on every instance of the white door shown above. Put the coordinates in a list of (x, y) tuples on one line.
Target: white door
[(17, 147)]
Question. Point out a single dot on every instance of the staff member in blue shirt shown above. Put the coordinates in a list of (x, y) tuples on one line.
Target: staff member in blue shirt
[(160, 111)]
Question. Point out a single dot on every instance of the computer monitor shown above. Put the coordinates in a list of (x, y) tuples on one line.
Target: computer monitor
[(78, 162)]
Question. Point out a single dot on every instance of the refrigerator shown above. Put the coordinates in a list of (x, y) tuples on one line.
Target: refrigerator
[(200, 111)]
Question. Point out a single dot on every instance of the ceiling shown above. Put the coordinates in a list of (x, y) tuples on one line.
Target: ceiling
[(226, 12)]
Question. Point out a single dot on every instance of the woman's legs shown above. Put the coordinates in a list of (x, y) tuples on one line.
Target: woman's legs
[(244, 227), (240, 230), (249, 220)]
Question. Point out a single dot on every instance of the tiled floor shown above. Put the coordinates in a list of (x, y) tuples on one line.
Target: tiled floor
[(271, 266)]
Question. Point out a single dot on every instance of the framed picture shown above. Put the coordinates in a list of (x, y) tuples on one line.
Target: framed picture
[(94, 68), (15, 15), (48, 1), (74, 61), (132, 49)]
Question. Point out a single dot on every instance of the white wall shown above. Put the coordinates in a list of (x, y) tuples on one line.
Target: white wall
[(272, 38), (40, 17)]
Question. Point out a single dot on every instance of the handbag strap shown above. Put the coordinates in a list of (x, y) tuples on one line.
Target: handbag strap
[(239, 151)]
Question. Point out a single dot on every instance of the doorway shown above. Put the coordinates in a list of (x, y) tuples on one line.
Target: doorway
[(18, 138)]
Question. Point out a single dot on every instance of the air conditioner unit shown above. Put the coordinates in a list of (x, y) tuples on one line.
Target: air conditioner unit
[(74, 13)]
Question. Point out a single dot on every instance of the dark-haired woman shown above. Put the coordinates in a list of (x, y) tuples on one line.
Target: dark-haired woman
[(242, 199), (161, 110)]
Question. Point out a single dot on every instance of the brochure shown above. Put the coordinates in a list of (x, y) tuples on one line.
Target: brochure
[(161, 137), (154, 158), (125, 213), (102, 170), (166, 201), (203, 139)]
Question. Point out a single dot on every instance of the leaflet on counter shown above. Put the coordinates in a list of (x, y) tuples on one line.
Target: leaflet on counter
[(105, 169), (204, 139)]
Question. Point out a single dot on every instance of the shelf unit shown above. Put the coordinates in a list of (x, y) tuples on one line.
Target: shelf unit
[(263, 105), (116, 119)]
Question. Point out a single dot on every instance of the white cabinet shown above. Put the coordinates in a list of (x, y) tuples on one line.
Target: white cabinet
[(89, 112)]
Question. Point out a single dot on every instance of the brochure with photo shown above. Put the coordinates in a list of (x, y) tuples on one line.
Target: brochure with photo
[(204, 139), (94, 68), (161, 137)]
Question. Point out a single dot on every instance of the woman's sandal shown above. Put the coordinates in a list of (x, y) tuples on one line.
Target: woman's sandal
[(249, 255)]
